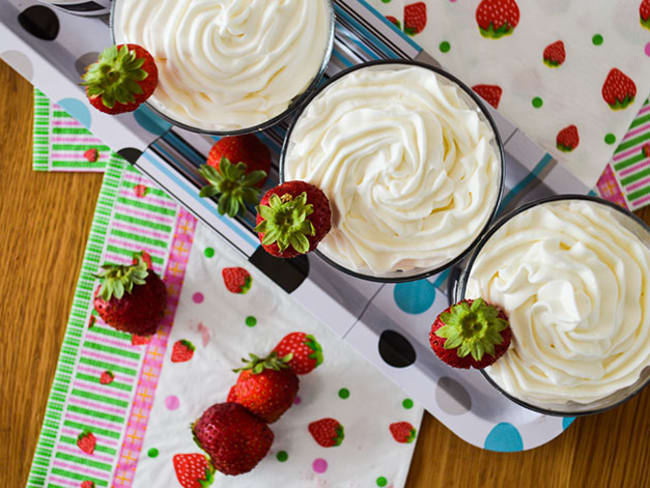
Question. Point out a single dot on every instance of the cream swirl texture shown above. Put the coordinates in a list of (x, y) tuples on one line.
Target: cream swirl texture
[(227, 64), (407, 164), (574, 283)]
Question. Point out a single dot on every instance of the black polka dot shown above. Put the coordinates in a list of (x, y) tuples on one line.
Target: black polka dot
[(40, 21), (84, 60), (289, 274), (395, 349), (131, 154)]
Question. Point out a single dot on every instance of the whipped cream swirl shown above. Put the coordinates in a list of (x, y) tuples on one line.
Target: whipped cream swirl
[(407, 164), (227, 64), (574, 283)]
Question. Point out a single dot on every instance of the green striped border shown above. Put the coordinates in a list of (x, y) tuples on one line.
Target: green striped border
[(41, 131)]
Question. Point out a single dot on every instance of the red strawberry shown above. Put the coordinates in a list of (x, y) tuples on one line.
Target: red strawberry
[(554, 54), (86, 442), (415, 18), (306, 352), (644, 12), (146, 257), (91, 155), (292, 218), (106, 378), (182, 351), (121, 80), (267, 387), (137, 340), (567, 139), (646, 149), (497, 18), (470, 334), (140, 191), (403, 432), (235, 439), (236, 169), (237, 280), (193, 470), (87, 484), (394, 21), (131, 298), (618, 90), (327, 432), (490, 93)]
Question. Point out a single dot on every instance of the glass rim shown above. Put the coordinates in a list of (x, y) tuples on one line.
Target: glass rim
[(294, 105), (462, 288), (500, 153)]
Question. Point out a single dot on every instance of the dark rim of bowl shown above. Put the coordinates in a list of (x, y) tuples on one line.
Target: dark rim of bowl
[(479, 103), (460, 294), (295, 103)]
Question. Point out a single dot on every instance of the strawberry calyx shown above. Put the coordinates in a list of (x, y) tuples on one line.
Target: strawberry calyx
[(472, 329), (119, 278), (257, 365), (340, 435), (235, 186), (495, 33), (285, 222), (621, 104), (115, 76), (312, 343)]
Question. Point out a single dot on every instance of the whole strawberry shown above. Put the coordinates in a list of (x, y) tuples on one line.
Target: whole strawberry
[(86, 441), (415, 18), (490, 93), (402, 432), (470, 334), (267, 387), (618, 90), (306, 352), (293, 218), (327, 432), (644, 13), (236, 280), (567, 139), (235, 439), (554, 54), (193, 470), (131, 298), (88, 484), (121, 80), (182, 351), (497, 18)]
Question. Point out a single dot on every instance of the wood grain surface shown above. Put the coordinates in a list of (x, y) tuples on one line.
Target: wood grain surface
[(44, 222)]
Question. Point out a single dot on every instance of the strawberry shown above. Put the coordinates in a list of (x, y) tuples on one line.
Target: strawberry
[(236, 169), (235, 439), (146, 257), (646, 149), (470, 333), (292, 218), (140, 191), (86, 442), (91, 155), (644, 12), (618, 90), (193, 470), (266, 386), (106, 378), (237, 280), (87, 484), (131, 298), (121, 80), (554, 54), (415, 18), (490, 93), (327, 432), (394, 21), (567, 139), (306, 352), (402, 432), (182, 351), (497, 18), (137, 340)]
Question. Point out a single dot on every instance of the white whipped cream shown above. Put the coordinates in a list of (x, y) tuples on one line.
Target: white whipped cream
[(574, 283), (407, 165), (227, 64)]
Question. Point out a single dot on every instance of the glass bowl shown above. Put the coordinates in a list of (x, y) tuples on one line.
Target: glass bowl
[(474, 102), (571, 408), (295, 103)]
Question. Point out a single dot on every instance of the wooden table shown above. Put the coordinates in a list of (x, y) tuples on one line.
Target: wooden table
[(45, 220)]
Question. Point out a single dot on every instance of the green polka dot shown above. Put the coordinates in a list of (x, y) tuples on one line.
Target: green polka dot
[(444, 47), (610, 138), (209, 252), (597, 39), (407, 403), (382, 481), (251, 321), (385, 1), (153, 452), (344, 393), (282, 456), (537, 102)]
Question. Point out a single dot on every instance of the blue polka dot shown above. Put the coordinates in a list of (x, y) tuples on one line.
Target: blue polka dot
[(566, 421), (414, 297), (78, 110), (150, 121), (504, 437)]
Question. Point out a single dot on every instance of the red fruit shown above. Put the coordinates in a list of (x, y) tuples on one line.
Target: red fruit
[(140, 191), (91, 155), (182, 351), (646, 149), (146, 257), (497, 18), (237, 280), (644, 12), (618, 90), (490, 93), (394, 21), (415, 18), (568, 139), (470, 334), (327, 432), (293, 218), (137, 340), (121, 80), (87, 484), (106, 378), (267, 387), (306, 352), (403, 432), (193, 470), (131, 298), (235, 439), (86, 442), (554, 54)]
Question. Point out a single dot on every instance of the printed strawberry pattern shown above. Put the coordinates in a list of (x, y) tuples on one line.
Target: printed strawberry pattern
[(490, 93), (193, 470), (327, 432), (618, 90), (402, 432), (415, 18), (236, 280), (644, 12), (182, 351), (554, 54), (567, 139), (497, 18)]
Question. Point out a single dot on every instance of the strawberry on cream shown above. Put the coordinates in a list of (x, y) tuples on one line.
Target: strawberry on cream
[(228, 64), (573, 281), (409, 166)]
